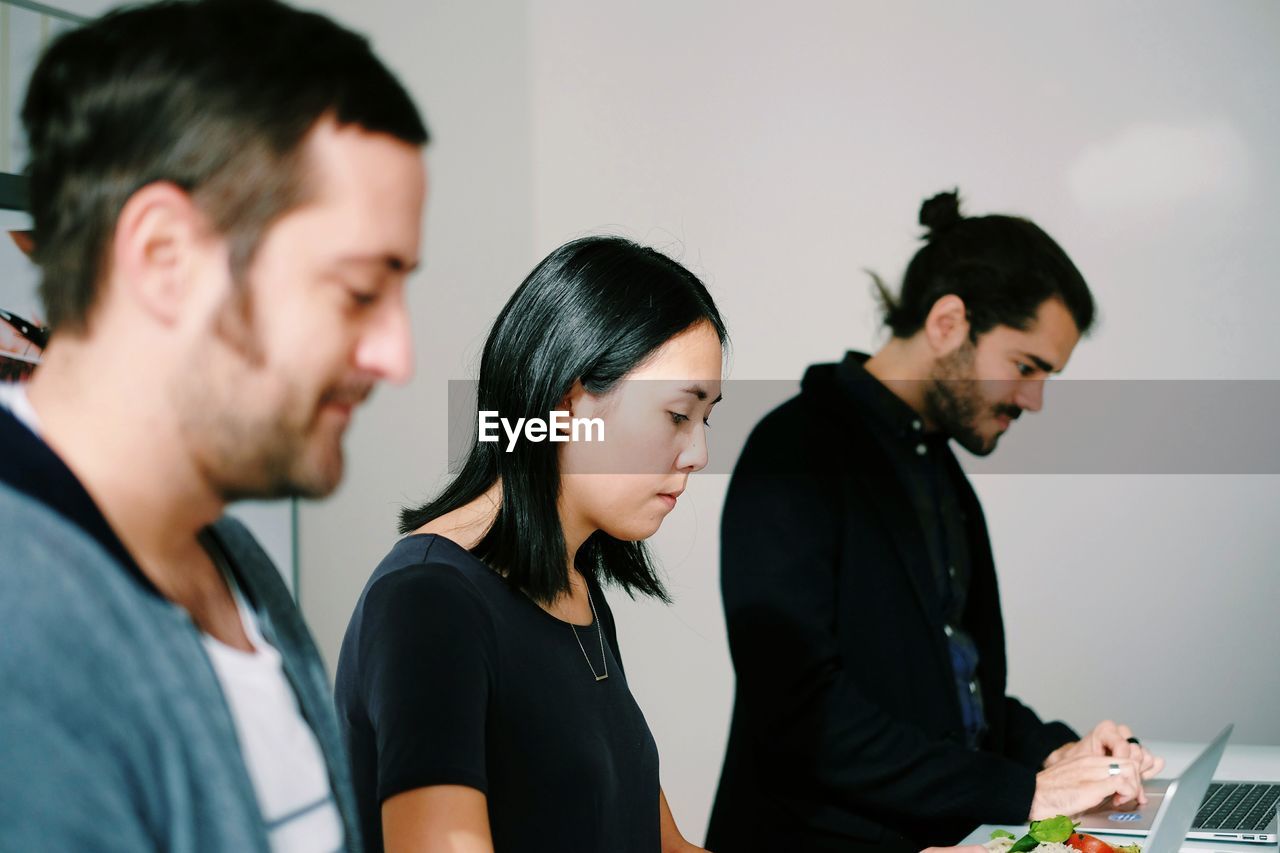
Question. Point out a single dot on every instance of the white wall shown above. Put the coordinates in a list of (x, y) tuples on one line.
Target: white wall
[(465, 64), (780, 151), (84, 8)]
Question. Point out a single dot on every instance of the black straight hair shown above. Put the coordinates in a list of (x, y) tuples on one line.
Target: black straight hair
[(1003, 268), (590, 312)]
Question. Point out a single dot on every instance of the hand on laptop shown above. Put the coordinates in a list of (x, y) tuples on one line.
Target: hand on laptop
[(1073, 785), (1109, 738)]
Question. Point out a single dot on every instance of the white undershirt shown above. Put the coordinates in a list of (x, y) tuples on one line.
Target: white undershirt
[(280, 750), (13, 397), (284, 758)]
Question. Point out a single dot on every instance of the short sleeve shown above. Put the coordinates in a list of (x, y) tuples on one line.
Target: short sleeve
[(426, 675)]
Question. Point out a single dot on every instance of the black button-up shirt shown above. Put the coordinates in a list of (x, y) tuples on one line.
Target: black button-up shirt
[(920, 460)]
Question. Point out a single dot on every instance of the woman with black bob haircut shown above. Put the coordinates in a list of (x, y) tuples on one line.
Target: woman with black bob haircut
[(480, 687)]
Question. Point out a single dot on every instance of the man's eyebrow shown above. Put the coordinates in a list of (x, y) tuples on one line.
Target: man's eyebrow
[(701, 393), (388, 261), (1040, 363)]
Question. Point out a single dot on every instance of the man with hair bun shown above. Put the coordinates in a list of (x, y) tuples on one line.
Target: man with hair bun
[(858, 579)]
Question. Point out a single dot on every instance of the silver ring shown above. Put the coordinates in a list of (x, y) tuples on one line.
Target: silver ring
[(1113, 769)]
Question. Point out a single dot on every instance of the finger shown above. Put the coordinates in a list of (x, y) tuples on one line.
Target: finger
[(1120, 748), (1095, 793), (1157, 764), (1102, 735), (1132, 748), (1115, 741), (1126, 784), (1133, 782), (1123, 799), (1103, 732), (1066, 752)]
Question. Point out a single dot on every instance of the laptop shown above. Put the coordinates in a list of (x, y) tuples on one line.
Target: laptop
[(1218, 811)]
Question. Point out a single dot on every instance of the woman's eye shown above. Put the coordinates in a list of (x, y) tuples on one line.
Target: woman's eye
[(677, 418), (1025, 369), (706, 422)]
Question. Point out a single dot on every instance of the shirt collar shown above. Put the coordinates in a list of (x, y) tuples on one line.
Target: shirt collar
[(30, 466), (13, 396), (886, 408)]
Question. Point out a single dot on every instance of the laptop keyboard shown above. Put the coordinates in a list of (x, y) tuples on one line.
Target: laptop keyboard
[(1236, 807)]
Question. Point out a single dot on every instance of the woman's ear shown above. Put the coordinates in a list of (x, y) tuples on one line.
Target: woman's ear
[(573, 402), (947, 326)]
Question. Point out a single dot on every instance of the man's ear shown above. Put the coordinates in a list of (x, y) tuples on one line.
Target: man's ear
[(159, 238), (947, 326)]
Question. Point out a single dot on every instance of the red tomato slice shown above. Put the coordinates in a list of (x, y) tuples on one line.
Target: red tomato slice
[(1088, 844)]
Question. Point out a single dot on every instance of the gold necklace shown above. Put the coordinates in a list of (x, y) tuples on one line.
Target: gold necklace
[(600, 631)]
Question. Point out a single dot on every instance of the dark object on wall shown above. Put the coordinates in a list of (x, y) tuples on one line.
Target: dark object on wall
[(20, 353), (13, 191), (33, 332)]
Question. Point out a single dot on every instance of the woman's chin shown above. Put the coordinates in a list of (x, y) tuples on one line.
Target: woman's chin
[(635, 530)]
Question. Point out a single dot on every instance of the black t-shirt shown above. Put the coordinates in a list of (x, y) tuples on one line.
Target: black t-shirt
[(449, 676)]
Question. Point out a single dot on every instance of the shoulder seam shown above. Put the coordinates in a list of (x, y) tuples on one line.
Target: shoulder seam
[(453, 572)]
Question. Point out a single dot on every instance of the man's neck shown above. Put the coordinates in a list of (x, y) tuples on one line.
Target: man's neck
[(126, 450), (904, 370)]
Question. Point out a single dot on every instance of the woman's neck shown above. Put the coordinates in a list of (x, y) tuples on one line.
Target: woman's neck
[(469, 523)]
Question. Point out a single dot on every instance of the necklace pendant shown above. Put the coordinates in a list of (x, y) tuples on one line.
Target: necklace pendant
[(595, 618)]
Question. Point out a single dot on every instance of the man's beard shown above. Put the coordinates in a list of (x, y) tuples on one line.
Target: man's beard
[(954, 401), (245, 451), (279, 459)]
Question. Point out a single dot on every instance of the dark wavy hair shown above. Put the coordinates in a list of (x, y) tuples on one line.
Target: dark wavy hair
[(1002, 267), (591, 311)]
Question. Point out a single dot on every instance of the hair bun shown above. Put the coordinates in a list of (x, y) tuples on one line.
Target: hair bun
[(941, 212)]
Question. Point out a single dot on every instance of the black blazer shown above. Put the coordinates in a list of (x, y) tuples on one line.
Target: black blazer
[(846, 730)]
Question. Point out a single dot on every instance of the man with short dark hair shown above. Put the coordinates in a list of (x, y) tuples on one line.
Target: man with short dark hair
[(227, 199), (858, 580)]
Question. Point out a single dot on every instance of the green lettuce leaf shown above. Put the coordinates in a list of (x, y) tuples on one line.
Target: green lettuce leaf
[(1052, 830), (1048, 831), (1023, 844)]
